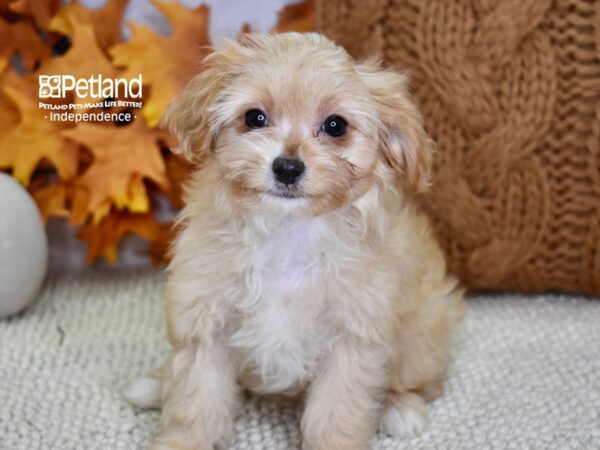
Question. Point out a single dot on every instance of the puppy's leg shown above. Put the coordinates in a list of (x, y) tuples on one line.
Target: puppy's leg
[(146, 392), (405, 415), (200, 397), (422, 354), (345, 398)]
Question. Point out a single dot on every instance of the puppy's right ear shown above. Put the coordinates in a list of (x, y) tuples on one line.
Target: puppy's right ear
[(187, 116)]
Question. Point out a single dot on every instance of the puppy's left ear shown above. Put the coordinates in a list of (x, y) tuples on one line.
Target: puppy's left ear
[(403, 141)]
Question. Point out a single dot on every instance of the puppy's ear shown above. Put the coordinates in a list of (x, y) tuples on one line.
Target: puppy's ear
[(187, 116), (403, 141)]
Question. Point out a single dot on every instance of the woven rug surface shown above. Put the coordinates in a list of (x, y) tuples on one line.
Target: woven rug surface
[(525, 374)]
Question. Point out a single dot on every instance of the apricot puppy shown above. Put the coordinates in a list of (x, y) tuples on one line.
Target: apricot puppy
[(302, 266)]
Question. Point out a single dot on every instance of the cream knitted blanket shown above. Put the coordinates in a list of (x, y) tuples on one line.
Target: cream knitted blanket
[(526, 374)]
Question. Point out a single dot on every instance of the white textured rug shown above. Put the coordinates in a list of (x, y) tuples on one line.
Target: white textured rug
[(526, 374)]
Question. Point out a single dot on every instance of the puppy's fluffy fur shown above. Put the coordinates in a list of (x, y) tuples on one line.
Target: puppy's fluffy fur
[(339, 292)]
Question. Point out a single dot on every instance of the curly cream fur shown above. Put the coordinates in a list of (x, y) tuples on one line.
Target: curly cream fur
[(340, 295)]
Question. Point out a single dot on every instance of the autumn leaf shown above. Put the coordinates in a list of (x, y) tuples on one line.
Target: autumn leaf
[(103, 237), (25, 84), (178, 171), (106, 174), (21, 37), (299, 16), (40, 10), (165, 138), (105, 20), (9, 113), (32, 139), (123, 157), (166, 62), (83, 59), (161, 244), (52, 200)]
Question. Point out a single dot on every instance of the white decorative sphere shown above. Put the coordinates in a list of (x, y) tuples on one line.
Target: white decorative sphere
[(23, 247)]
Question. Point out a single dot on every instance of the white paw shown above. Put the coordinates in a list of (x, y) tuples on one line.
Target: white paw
[(405, 417), (145, 392)]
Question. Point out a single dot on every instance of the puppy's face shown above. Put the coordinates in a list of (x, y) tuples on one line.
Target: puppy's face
[(292, 122)]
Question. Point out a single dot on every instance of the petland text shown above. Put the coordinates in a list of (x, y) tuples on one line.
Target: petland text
[(94, 87)]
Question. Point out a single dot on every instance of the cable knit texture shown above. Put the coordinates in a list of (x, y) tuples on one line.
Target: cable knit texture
[(64, 361), (510, 91)]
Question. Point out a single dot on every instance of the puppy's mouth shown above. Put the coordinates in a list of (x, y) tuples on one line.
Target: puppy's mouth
[(287, 192)]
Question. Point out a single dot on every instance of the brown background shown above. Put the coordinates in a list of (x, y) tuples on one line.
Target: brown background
[(510, 92)]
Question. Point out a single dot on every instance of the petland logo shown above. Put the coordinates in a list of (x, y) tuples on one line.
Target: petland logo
[(95, 87), (96, 99)]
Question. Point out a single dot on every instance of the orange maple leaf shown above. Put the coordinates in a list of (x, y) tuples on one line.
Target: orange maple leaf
[(106, 21), (103, 237), (21, 37), (161, 244), (32, 139), (123, 157), (167, 63), (40, 10), (178, 171), (26, 84), (52, 200), (83, 59), (9, 113)]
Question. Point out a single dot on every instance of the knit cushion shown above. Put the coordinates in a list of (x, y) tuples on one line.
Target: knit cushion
[(510, 91)]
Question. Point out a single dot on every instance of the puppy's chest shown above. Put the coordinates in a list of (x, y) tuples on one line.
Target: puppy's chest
[(288, 260), (283, 324)]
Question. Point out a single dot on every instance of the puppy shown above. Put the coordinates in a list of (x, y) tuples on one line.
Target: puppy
[(302, 266)]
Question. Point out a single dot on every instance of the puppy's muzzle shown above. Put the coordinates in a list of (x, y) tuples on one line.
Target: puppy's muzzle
[(287, 170)]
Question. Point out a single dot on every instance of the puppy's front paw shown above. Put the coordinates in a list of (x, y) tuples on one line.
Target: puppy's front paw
[(144, 392), (404, 416)]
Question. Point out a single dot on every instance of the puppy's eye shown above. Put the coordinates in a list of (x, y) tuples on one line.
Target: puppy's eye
[(335, 126), (255, 118)]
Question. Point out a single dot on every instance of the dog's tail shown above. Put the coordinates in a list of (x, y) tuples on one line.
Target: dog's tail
[(145, 392)]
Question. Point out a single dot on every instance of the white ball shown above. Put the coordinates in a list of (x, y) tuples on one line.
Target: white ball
[(23, 247)]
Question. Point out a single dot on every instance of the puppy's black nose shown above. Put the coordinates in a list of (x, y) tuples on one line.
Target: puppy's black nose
[(287, 170)]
